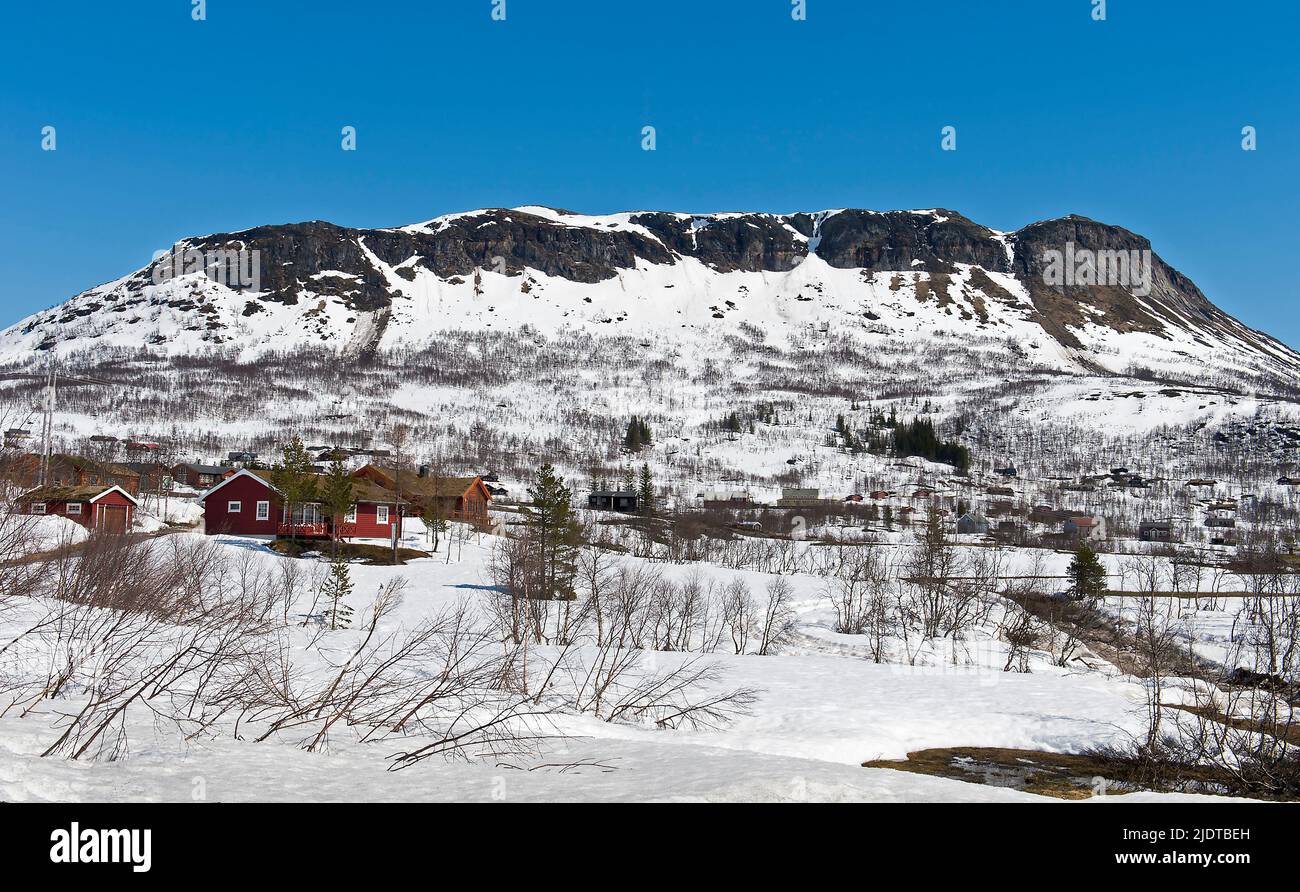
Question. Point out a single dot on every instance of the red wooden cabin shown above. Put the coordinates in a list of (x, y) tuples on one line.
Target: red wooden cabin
[(246, 504), (98, 507)]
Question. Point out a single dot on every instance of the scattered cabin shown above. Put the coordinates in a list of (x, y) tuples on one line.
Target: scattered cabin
[(799, 497), (726, 498), (464, 499), (1008, 471), (16, 437), (73, 470), (880, 494), (1156, 531), (612, 500), (246, 504), (1201, 482), (1084, 526), (1288, 481), (97, 507), (853, 498), (972, 524), (198, 476), (154, 477), (1001, 491)]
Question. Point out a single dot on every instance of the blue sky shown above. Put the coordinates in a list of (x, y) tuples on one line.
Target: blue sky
[(168, 127)]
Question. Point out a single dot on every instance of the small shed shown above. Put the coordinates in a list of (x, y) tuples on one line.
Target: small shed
[(972, 523), (1156, 531), (96, 506), (612, 500)]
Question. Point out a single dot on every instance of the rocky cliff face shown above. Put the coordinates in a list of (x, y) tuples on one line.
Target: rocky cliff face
[(335, 284)]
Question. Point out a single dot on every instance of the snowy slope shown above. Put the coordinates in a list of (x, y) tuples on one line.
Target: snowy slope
[(887, 280)]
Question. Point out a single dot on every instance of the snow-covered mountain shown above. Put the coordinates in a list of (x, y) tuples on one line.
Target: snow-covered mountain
[(876, 278)]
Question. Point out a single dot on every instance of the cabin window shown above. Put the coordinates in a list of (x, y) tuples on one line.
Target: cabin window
[(234, 507), (381, 514), (306, 514), (263, 510), (351, 516), (38, 507), (74, 507)]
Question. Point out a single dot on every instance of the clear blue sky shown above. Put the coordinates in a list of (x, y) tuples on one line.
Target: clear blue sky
[(168, 127)]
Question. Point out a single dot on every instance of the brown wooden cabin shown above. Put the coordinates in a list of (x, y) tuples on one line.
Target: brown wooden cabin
[(464, 499), (73, 470), (200, 476)]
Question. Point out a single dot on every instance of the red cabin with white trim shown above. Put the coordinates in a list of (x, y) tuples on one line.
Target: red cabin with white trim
[(96, 507), (246, 504)]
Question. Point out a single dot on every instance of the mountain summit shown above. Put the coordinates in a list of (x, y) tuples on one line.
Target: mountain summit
[(1069, 294)]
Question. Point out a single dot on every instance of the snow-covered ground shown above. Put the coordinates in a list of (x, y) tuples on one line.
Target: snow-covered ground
[(823, 708)]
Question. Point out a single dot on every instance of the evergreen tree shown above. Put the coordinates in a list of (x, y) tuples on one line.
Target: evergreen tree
[(646, 492), (337, 587), (293, 477), (336, 495), (1087, 575), (638, 435), (919, 438), (552, 530)]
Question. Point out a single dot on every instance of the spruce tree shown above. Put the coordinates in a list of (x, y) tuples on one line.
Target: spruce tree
[(1087, 575), (336, 495), (337, 587), (293, 477), (552, 530), (638, 434), (646, 492)]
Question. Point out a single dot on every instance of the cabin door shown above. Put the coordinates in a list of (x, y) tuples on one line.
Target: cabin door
[(112, 518)]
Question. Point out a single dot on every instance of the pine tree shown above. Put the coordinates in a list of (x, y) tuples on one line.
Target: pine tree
[(646, 492), (632, 441), (552, 530), (1087, 575), (293, 477), (336, 495), (337, 587)]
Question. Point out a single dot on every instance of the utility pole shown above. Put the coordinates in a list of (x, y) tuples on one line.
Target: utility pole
[(51, 377), (47, 428)]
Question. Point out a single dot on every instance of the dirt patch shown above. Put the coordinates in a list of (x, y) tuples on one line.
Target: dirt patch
[(1059, 775), (368, 554)]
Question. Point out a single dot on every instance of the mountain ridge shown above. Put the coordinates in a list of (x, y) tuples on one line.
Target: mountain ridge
[(319, 282)]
